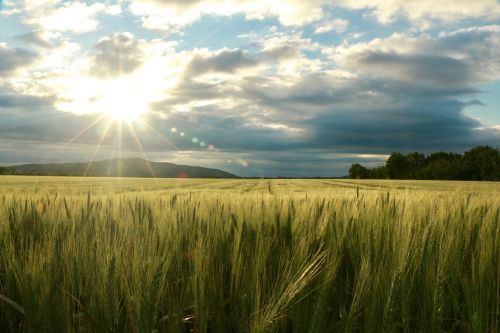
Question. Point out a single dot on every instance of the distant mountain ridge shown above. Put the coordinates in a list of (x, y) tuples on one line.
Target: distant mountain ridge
[(124, 167)]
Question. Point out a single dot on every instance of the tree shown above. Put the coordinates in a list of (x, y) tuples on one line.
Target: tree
[(379, 172), (357, 171), (443, 165), (481, 163), (416, 162), (398, 166)]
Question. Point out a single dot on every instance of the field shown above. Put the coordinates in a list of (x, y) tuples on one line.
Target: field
[(182, 255)]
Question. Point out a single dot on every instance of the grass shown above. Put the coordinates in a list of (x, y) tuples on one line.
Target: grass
[(146, 255)]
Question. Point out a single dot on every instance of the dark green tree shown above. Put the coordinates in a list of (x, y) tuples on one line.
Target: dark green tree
[(443, 165), (398, 166), (416, 162), (357, 171), (379, 172), (481, 163)]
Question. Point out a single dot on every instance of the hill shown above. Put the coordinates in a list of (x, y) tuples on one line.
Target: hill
[(125, 167)]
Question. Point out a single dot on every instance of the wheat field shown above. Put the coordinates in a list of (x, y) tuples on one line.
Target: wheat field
[(184, 255)]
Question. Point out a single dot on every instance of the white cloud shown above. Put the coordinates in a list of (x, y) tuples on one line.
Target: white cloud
[(171, 15), (336, 25), (116, 55), (222, 61), (118, 82), (74, 17), (422, 12), (476, 48), (61, 16), (114, 10)]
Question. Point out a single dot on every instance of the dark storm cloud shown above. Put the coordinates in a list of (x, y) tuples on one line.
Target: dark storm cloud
[(438, 126), (116, 55), (362, 116), (14, 58), (379, 115)]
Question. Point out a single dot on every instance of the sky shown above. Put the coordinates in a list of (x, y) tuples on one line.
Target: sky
[(257, 88)]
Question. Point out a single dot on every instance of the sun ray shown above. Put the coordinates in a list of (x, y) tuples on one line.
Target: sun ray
[(141, 148), (35, 121), (120, 155), (62, 145), (160, 135), (83, 131), (105, 133)]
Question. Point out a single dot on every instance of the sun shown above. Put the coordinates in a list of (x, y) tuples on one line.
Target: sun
[(121, 101), (122, 107)]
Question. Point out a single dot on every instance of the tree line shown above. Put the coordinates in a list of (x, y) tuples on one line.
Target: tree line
[(479, 163)]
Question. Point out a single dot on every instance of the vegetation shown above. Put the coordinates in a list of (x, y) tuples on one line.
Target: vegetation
[(480, 163), (148, 255), (120, 167)]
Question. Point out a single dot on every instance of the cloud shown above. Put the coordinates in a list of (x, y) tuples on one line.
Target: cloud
[(279, 98), (436, 69), (466, 54), (333, 142), (398, 93), (171, 15), (380, 115), (12, 59), (168, 15), (226, 77), (60, 16), (75, 17), (24, 101), (120, 74), (36, 38), (280, 46), (224, 61), (335, 25), (116, 55), (438, 125), (425, 12)]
